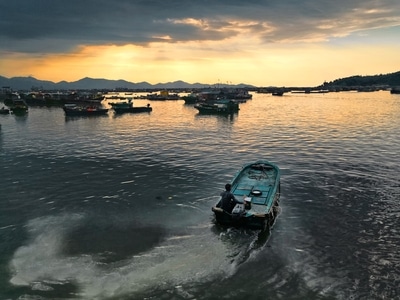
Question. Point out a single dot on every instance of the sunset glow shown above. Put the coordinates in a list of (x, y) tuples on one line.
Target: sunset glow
[(261, 50)]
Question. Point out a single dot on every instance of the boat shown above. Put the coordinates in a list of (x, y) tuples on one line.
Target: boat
[(238, 95), (76, 110), (4, 111), (163, 95), (278, 92), (127, 107), (224, 106), (235, 95), (257, 185), (395, 90), (19, 107), (191, 98)]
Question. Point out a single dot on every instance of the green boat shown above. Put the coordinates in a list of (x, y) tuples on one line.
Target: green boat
[(224, 106), (19, 107), (192, 98), (257, 185), (127, 107)]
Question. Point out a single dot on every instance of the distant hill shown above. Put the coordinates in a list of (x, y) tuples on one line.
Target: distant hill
[(391, 80), (31, 83)]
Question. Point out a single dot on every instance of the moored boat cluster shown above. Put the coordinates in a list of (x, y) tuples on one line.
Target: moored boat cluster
[(214, 101)]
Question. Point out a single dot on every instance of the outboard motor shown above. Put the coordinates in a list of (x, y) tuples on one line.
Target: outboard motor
[(247, 203), (238, 211)]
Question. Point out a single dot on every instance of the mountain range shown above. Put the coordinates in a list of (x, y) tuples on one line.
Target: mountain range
[(31, 83)]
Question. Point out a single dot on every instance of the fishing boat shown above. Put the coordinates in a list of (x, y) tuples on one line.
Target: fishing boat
[(19, 107), (278, 93), (127, 107), (395, 90), (192, 98), (76, 110), (163, 95), (257, 185), (224, 106), (4, 111)]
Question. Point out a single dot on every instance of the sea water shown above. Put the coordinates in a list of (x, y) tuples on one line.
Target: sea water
[(119, 207)]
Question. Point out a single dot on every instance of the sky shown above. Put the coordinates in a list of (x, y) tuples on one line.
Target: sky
[(258, 42)]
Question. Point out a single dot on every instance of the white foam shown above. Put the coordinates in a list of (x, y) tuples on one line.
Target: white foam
[(175, 261)]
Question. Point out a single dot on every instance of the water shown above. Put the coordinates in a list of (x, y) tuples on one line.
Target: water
[(120, 207)]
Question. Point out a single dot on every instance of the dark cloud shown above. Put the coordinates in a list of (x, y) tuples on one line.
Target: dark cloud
[(56, 26)]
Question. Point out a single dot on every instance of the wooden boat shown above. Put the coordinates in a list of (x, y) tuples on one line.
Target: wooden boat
[(75, 110), (258, 186), (224, 106), (127, 107)]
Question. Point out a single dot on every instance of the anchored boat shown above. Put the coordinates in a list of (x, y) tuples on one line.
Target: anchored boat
[(224, 106), (257, 185), (127, 107), (4, 111), (75, 110), (19, 107)]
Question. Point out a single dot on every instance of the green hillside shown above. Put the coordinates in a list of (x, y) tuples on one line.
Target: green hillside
[(391, 80)]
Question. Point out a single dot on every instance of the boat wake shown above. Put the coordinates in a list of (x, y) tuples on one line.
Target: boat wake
[(61, 255), (244, 244)]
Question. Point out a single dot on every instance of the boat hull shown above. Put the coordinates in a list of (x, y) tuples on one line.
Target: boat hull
[(19, 110), (19, 107), (395, 91), (218, 107), (191, 99), (77, 111), (127, 107), (122, 110), (258, 185)]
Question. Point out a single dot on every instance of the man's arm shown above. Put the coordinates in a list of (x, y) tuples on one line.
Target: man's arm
[(236, 200)]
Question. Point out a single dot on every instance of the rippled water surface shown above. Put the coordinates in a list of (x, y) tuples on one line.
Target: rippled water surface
[(118, 207)]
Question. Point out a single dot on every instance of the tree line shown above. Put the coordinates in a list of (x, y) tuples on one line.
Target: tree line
[(392, 80)]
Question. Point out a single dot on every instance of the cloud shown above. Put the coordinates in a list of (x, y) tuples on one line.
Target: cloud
[(48, 26)]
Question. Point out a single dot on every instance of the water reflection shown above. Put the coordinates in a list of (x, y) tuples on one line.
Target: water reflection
[(75, 118), (228, 117)]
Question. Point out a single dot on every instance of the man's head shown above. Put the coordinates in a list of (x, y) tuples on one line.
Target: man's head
[(228, 186)]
